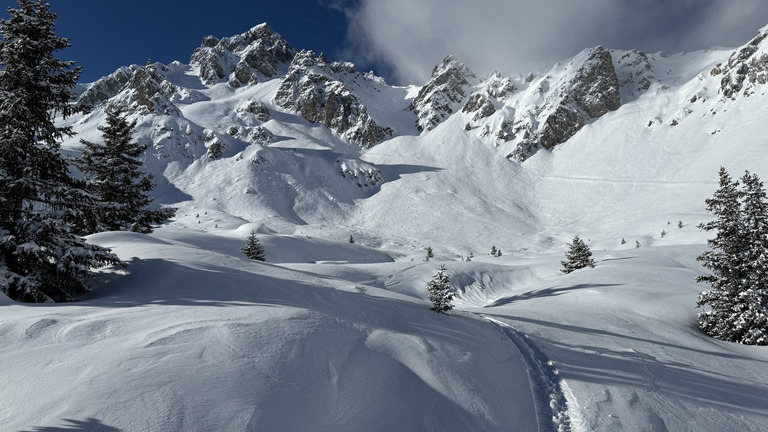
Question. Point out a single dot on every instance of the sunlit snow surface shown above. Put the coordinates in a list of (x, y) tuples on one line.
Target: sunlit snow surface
[(332, 335)]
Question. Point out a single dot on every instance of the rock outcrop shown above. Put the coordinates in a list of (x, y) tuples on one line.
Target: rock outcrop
[(151, 93), (139, 89), (587, 90), (635, 73), (320, 91), (243, 59), (443, 94), (747, 68), (106, 87)]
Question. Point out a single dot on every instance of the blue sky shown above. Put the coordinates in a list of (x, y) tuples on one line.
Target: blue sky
[(108, 34), (402, 40)]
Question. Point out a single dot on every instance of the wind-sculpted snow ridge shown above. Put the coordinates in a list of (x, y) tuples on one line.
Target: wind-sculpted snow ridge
[(322, 93), (243, 59), (556, 409)]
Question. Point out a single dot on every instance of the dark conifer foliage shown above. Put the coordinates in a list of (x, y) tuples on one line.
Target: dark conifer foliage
[(736, 308), (253, 248), (41, 259), (577, 257), (113, 175), (441, 292), (430, 253)]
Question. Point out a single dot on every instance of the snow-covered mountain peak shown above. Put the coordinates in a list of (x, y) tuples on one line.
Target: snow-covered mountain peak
[(324, 92), (549, 109), (442, 94), (142, 90), (243, 59)]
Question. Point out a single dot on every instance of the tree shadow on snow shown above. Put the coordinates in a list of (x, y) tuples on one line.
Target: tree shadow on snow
[(546, 292), (87, 425)]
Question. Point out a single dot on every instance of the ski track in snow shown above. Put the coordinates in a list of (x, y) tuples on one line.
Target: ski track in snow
[(556, 407), (628, 181)]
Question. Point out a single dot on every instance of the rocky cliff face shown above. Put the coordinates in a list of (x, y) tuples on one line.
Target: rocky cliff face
[(138, 89), (635, 73), (151, 93), (548, 110), (587, 90), (107, 87), (243, 59), (321, 92), (443, 94), (746, 69)]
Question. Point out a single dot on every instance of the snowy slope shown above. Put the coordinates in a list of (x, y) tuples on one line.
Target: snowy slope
[(330, 335), (195, 340)]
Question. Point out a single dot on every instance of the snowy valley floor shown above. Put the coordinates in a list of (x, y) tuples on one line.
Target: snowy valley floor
[(191, 336)]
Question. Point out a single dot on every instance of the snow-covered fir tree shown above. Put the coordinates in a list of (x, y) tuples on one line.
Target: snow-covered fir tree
[(577, 257), (754, 320), (736, 307), (41, 259), (430, 253), (253, 248), (440, 291), (113, 174)]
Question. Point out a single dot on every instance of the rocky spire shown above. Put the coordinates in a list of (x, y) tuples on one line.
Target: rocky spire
[(243, 59), (443, 94)]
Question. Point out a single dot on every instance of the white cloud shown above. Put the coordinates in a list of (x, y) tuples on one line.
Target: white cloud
[(406, 38)]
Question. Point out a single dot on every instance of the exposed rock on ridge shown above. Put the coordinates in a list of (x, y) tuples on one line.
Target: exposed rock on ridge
[(441, 96), (747, 68), (588, 93), (243, 59), (635, 74), (152, 94), (107, 87), (319, 91), (140, 89)]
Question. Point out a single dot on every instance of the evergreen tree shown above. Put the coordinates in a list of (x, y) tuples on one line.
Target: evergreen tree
[(737, 305), (430, 253), (493, 250), (113, 175), (577, 257), (253, 248), (754, 318), (441, 292), (41, 259), (726, 259)]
